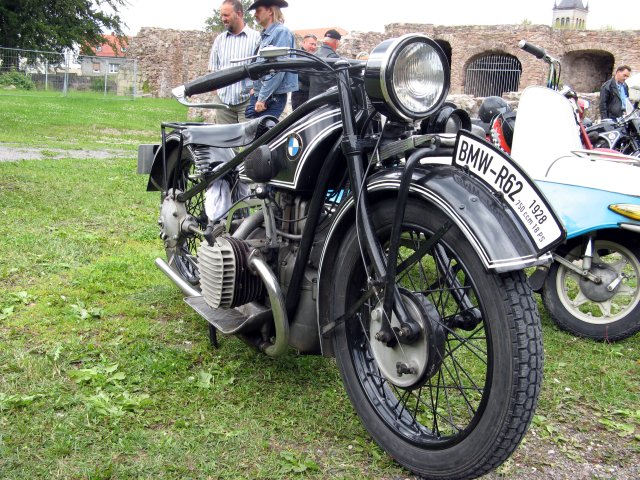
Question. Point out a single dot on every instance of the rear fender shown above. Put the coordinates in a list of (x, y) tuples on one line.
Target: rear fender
[(150, 159), (491, 228)]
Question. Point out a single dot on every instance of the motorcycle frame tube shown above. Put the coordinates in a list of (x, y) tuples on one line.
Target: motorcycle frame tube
[(308, 234)]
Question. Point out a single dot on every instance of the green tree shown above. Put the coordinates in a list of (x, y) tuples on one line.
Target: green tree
[(214, 22), (56, 24)]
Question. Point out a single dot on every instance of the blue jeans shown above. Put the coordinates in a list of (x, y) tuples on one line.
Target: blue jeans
[(275, 106)]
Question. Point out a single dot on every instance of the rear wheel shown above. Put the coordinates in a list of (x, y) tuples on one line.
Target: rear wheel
[(456, 402), (607, 311), (175, 217)]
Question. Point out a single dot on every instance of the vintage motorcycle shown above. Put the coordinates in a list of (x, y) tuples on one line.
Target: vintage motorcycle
[(622, 135), (369, 236), (591, 289)]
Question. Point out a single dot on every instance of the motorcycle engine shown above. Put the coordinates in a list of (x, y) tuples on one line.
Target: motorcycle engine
[(225, 277)]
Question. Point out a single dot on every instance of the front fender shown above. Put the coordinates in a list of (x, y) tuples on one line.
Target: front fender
[(490, 226)]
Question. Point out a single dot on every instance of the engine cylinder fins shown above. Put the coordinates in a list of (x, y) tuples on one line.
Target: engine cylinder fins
[(225, 277)]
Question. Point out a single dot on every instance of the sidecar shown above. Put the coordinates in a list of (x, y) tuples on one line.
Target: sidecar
[(591, 289)]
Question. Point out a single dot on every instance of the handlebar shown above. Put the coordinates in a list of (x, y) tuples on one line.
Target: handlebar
[(537, 52), (553, 80), (231, 75)]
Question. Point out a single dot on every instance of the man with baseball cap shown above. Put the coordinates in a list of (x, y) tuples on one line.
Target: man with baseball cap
[(321, 83), (269, 95)]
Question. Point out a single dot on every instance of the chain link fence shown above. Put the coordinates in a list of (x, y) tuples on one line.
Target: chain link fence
[(67, 72)]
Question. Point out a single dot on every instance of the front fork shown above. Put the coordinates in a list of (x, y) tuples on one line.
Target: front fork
[(384, 269)]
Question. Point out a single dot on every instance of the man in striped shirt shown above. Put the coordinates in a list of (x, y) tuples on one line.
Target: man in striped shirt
[(237, 41)]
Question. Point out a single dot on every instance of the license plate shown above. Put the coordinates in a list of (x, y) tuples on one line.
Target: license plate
[(500, 172)]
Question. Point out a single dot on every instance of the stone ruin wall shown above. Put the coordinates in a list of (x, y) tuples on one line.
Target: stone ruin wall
[(167, 58)]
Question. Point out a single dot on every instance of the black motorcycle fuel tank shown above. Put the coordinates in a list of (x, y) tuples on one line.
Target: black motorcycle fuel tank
[(302, 148)]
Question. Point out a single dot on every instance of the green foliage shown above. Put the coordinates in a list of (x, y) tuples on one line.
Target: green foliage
[(97, 84), (56, 24), (17, 79), (214, 22)]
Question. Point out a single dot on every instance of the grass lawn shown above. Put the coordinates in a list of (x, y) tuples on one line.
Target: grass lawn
[(106, 373)]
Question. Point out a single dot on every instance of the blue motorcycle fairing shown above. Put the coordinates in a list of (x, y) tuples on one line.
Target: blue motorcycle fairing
[(583, 209)]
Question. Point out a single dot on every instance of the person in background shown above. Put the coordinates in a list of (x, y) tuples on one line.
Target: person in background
[(614, 94), (269, 95), (309, 44), (321, 83), (237, 41)]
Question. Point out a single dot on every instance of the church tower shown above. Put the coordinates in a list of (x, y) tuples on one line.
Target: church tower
[(570, 14)]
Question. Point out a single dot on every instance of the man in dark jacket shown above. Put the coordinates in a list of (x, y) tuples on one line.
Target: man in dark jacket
[(309, 44), (614, 94), (321, 83)]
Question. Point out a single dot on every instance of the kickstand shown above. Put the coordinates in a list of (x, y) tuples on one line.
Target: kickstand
[(213, 336)]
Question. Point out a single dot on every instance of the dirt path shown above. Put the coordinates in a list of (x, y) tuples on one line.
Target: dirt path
[(12, 153)]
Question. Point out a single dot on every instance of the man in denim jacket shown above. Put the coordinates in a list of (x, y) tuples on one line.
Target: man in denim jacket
[(269, 95)]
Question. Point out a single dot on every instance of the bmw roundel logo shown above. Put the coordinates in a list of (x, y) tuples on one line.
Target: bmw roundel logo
[(294, 146)]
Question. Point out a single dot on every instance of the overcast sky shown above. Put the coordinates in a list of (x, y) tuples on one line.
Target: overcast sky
[(373, 15)]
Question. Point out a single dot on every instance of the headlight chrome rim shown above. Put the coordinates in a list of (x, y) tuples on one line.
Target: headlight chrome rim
[(379, 77)]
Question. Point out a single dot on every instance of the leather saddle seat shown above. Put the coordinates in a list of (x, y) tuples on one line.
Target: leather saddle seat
[(228, 136)]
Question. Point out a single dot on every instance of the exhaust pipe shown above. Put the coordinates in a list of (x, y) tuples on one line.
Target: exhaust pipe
[(260, 267), (280, 320), (184, 286)]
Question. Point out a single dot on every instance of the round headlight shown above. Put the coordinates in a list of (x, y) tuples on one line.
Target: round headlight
[(407, 78)]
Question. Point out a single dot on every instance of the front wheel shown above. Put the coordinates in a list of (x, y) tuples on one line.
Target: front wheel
[(605, 311), (455, 402)]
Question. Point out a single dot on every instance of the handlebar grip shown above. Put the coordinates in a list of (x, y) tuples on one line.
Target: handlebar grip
[(212, 81), (532, 49)]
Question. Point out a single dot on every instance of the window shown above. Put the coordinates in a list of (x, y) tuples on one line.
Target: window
[(96, 67), (113, 68), (492, 74), (123, 49), (99, 48)]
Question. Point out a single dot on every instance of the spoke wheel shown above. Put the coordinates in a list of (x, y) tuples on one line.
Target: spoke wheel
[(474, 391), (607, 311), (181, 251)]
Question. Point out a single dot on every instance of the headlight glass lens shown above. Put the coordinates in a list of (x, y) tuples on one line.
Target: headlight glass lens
[(418, 77)]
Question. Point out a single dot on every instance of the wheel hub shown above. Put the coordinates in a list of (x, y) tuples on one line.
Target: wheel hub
[(408, 365), (598, 292), (174, 219)]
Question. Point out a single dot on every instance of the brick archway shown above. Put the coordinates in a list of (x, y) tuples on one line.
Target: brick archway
[(586, 70), (446, 48), (492, 72)]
